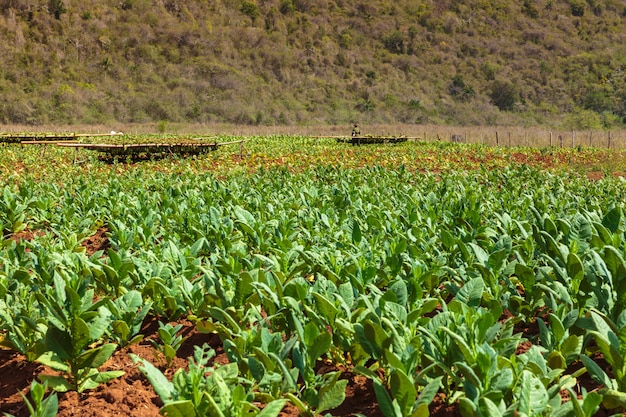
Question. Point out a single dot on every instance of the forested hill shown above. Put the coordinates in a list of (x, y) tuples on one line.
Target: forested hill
[(313, 61)]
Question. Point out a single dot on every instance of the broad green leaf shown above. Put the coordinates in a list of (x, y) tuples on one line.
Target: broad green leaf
[(613, 399), (533, 395), (163, 387), (429, 392), (52, 360), (481, 256), (94, 358), (472, 292), (596, 372), (332, 393), (183, 408), (106, 376), (612, 219), (79, 331), (56, 383), (489, 408), (402, 390), (389, 407), (273, 408), (256, 368), (325, 307), (356, 232)]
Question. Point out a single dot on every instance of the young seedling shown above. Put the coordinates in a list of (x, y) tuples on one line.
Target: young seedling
[(39, 406), (171, 341)]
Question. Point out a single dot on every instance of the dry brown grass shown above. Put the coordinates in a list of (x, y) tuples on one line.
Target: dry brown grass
[(506, 135)]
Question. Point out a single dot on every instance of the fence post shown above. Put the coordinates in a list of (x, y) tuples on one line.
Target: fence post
[(590, 133), (550, 139), (497, 140), (509, 139)]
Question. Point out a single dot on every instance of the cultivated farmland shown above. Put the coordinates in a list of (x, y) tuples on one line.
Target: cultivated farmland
[(303, 276)]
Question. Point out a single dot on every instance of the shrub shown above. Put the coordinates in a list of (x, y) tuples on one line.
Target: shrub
[(530, 9), (504, 94), (394, 42), (287, 6), (581, 119), (250, 9), (577, 7), (459, 89), (57, 8)]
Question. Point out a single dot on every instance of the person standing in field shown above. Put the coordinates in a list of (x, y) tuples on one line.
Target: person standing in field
[(355, 130)]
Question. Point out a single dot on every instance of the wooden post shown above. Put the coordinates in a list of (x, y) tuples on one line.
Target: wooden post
[(590, 133), (609, 145), (560, 141), (550, 139), (497, 141), (526, 138), (509, 139)]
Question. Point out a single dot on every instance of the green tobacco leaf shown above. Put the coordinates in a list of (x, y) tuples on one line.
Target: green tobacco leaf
[(106, 376), (526, 275), (94, 358), (581, 228), (481, 256), (163, 387), (402, 390), (489, 408), (613, 399), (273, 408), (596, 372), (179, 409), (472, 292), (356, 232), (52, 360), (401, 292), (467, 407), (256, 368), (80, 335), (59, 342), (389, 407), (325, 307), (56, 383), (375, 338), (575, 268), (121, 328), (612, 219), (332, 393)]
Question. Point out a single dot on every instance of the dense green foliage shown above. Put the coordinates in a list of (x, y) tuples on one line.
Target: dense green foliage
[(321, 61), (425, 283)]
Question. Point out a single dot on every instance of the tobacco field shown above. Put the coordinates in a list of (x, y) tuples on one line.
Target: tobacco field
[(306, 277)]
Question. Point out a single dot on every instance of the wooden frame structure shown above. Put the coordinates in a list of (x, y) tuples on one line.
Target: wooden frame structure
[(138, 151), (368, 140), (50, 137)]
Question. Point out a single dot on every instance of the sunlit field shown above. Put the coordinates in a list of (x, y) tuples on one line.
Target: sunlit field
[(285, 273)]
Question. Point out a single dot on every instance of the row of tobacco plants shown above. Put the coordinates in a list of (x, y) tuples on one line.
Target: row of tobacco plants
[(421, 282)]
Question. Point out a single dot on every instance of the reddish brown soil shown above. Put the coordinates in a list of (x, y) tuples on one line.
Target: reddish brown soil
[(99, 241), (132, 394)]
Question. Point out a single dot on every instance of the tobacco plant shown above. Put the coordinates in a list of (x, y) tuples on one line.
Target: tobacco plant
[(206, 390)]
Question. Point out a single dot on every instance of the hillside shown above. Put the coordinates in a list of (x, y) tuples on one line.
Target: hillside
[(313, 61)]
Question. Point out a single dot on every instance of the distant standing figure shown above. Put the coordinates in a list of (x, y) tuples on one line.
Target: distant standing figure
[(355, 130)]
